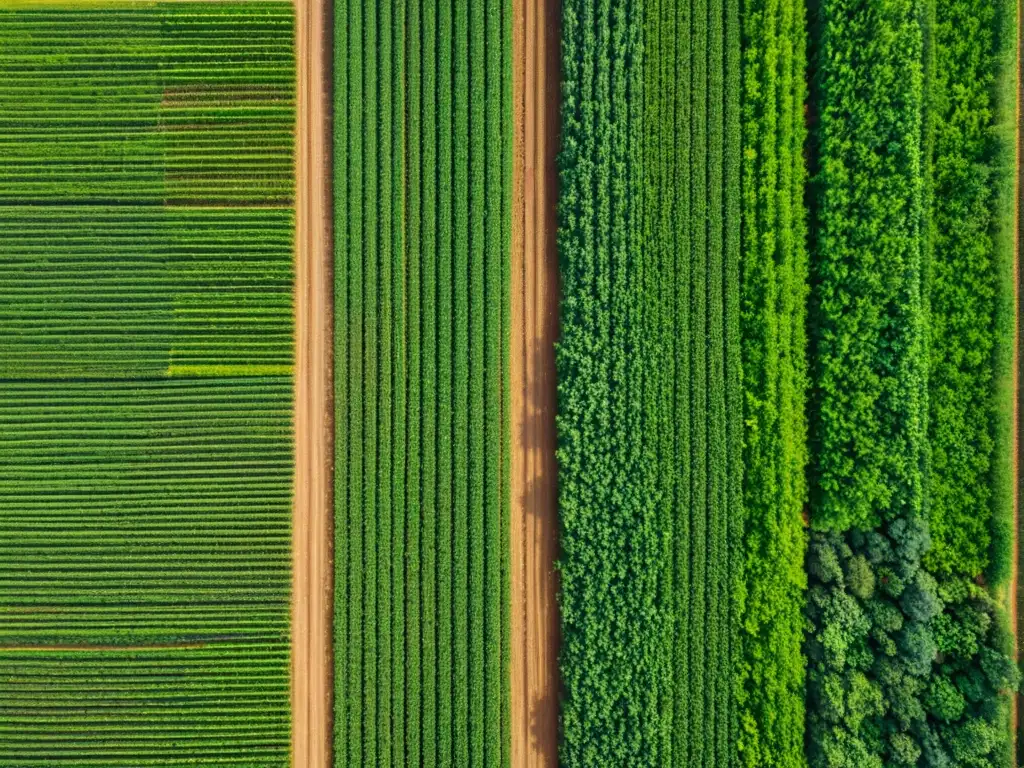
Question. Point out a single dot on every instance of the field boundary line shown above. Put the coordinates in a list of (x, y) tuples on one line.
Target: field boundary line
[(312, 530), (534, 328)]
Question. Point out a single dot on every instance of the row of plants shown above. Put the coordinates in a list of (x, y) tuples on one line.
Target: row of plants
[(150, 698), (771, 666), (144, 290), (422, 205), (206, 116), (870, 601), (612, 640), (650, 392)]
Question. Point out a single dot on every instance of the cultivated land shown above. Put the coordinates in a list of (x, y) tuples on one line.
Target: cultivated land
[(534, 328), (422, 179), (146, 456)]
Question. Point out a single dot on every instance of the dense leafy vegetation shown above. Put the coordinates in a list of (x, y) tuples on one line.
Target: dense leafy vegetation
[(422, 211), (611, 543), (867, 317), (771, 665), (909, 659), (970, 342), (650, 406), (870, 601), (145, 390), (963, 288)]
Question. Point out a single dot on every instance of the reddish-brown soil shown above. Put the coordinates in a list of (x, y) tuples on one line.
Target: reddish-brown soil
[(312, 676), (534, 523)]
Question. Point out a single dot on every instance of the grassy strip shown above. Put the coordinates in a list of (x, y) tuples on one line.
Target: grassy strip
[(771, 671)]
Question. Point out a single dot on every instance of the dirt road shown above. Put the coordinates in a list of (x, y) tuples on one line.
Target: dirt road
[(312, 530), (534, 538)]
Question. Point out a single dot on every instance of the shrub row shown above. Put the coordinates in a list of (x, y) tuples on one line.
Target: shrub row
[(612, 554), (771, 665)]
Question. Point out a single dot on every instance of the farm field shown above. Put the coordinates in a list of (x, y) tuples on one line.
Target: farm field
[(145, 384), (422, 225), (509, 383)]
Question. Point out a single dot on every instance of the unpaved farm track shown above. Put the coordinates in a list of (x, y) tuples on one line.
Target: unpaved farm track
[(312, 677), (534, 522)]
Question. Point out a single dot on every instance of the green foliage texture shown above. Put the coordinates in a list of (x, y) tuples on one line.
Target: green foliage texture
[(909, 655), (422, 138), (146, 406), (612, 643), (771, 665), (650, 394)]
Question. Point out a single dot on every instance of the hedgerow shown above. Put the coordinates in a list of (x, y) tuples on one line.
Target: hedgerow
[(870, 602), (867, 326), (771, 665)]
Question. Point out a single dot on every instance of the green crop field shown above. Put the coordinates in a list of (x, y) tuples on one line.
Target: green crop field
[(786, 307), (422, 195), (783, 379), (146, 232)]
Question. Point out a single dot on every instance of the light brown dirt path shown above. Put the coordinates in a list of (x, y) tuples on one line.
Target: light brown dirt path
[(534, 522), (312, 518)]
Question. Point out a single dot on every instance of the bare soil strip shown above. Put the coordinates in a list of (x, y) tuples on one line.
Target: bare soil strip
[(534, 521), (312, 518)]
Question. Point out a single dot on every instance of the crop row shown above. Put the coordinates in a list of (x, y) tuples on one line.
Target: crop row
[(422, 98), (130, 290), (650, 407), (230, 698), (611, 563), (770, 667)]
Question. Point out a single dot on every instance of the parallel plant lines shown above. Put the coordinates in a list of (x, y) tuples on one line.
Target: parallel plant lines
[(650, 407), (422, 191), (145, 390), (771, 667)]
